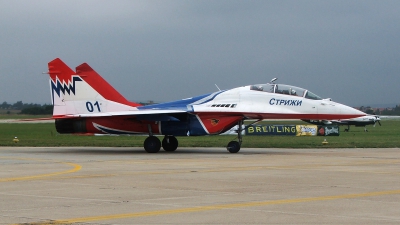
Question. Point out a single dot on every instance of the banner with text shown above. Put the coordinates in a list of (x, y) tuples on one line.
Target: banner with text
[(271, 130), (328, 130), (306, 130)]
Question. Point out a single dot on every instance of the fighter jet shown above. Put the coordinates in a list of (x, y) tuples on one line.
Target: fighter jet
[(85, 103)]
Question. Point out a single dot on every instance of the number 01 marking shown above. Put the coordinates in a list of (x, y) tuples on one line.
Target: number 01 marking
[(90, 106)]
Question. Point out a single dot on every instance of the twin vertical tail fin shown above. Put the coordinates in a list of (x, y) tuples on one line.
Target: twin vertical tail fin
[(83, 91)]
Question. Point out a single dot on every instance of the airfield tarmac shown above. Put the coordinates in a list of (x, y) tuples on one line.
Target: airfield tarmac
[(80, 185)]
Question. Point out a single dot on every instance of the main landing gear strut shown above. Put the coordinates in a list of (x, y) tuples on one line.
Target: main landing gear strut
[(234, 146)]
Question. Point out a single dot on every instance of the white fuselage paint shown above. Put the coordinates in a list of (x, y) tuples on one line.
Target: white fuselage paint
[(258, 104)]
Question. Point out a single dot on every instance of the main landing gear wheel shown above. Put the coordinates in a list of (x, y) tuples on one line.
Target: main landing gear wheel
[(233, 147), (170, 143), (152, 144)]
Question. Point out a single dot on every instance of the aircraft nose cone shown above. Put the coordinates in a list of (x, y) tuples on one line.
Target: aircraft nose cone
[(348, 112)]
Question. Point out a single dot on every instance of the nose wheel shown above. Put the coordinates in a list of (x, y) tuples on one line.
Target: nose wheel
[(233, 147)]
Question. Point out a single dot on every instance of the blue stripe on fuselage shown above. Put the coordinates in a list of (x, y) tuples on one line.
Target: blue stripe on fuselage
[(184, 103)]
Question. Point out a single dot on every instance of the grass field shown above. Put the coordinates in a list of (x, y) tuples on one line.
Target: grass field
[(4, 116), (44, 134)]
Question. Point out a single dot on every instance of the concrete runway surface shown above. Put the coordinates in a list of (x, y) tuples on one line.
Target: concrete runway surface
[(79, 185)]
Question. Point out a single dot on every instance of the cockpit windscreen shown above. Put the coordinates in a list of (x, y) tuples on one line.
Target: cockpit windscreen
[(285, 89), (313, 96), (263, 87), (289, 90)]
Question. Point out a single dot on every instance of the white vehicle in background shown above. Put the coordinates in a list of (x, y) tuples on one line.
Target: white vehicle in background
[(361, 121)]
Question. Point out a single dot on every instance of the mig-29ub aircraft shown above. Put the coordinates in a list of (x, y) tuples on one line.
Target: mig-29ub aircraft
[(361, 121), (85, 103)]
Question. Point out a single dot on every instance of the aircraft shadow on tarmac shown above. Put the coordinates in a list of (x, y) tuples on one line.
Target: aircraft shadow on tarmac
[(140, 151)]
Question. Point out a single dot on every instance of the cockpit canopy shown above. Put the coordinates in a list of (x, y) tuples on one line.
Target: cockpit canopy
[(285, 90)]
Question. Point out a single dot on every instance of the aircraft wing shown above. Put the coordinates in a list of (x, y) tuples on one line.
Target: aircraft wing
[(154, 114)]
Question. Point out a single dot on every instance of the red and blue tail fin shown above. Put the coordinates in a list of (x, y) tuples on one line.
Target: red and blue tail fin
[(102, 86), (83, 92)]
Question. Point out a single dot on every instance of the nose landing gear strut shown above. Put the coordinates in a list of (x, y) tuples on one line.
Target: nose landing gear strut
[(234, 146)]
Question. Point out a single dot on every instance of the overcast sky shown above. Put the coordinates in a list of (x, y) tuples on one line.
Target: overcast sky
[(169, 50)]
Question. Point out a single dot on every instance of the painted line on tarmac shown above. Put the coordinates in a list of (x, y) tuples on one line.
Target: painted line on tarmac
[(319, 167), (322, 167), (76, 167), (216, 207)]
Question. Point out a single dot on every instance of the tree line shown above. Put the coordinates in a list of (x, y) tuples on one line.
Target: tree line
[(379, 111), (25, 108), (391, 111)]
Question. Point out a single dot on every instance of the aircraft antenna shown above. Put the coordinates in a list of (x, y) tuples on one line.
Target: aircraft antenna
[(217, 87)]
